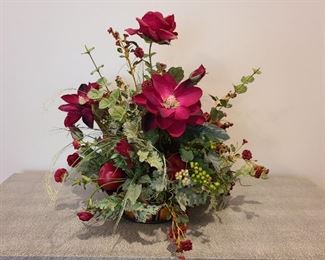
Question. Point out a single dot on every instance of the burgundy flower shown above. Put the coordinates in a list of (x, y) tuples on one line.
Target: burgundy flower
[(184, 245), (79, 106), (84, 215), (146, 83), (123, 148), (174, 165), (156, 28), (173, 106), (73, 159), (259, 170), (76, 144), (60, 174), (246, 155), (197, 74), (138, 52)]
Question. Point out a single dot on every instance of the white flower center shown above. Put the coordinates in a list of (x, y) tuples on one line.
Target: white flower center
[(171, 102)]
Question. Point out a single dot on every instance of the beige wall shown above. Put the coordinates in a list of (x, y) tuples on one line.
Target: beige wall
[(282, 115)]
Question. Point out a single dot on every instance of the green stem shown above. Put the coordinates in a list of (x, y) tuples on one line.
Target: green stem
[(150, 56)]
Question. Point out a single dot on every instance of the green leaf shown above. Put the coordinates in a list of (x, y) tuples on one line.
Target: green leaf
[(213, 97), (224, 102), (247, 79), (186, 155), (216, 114), (144, 179), (133, 192), (117, 112), (158, 182), (76, 133), (152, 135), (95, 94), (177, 73), (214, 133), (111, 100), (241, 88), (102, 81)]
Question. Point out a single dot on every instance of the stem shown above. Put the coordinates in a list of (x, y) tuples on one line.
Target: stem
[(150, 59), (88, 51), (127, 57)]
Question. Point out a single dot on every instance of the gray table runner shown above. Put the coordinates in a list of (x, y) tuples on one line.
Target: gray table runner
[(281, 218)]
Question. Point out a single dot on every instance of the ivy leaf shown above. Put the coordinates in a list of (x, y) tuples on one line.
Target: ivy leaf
[(111, 100), (102, 81), (177, 73), (144, 179), (95, 94), (241, 88), (117, 112), (133, 192), (186, 155)]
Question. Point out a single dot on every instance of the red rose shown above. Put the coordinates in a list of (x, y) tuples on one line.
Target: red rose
[(73, 159), (246, 155), (156, 28), (76, 144), (174, 165), (197, 74), (184, 245), (60, 174), (123, 148), (138, 52), (110, 178), (84, 215)]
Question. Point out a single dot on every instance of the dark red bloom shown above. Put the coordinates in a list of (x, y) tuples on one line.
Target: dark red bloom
[(60, 174), (76, 144), (84, 215), (79, 106), (173, 105), (138, 52), (184, 245), (259, 170), (246, 155), (155, 27), (174, 165), (123, 148), (197, 74), (73, 159)]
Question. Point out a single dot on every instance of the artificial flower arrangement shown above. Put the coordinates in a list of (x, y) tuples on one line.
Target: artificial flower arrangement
[(148, 145)]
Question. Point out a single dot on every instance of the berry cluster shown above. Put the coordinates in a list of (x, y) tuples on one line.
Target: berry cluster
[(201, 177), (183, 176)]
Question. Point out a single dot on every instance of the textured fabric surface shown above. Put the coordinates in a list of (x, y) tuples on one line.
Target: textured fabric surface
[(280, 218)]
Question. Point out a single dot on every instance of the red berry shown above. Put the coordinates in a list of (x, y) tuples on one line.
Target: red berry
[(110, 178)]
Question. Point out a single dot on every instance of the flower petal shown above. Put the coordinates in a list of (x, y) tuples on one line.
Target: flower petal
[(69, 108), (87, 117), (151, 107), (152, 96), (164, 123), (188, 96), (166, 112), (71, 98), (166, 35), (182, 113), (196, 120), (139, 99), (71, 119), (177, 129), (164, 85)]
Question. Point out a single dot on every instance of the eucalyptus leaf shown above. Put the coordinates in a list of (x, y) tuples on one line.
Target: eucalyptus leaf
[(241, 88), (186, 155), (133, 192)]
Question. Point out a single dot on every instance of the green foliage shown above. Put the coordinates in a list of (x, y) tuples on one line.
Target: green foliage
[(133, 192), (245, 80), (177, 73), (216, 115), (111, 100), (117, 112), (213, 133), (187, 197), (186, 155), (158, 181), (96, 94), (142, 211)]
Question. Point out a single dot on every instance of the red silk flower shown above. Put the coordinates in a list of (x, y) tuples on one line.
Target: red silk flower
[(173, 106), (79, 106), (155, 27)]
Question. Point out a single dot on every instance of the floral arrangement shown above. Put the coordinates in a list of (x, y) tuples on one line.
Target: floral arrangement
[(147, 144)]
